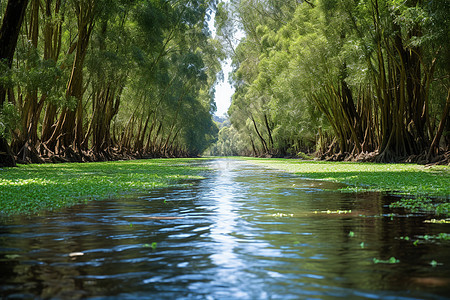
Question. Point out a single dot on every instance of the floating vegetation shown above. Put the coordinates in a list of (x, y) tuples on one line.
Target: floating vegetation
[(152, 245), (427, 237), (33, 188), (280, 215), (12, 256), (334, 212), (391, 260), (434, 263), (422, 204), (441, 236), (424, 186), (441, 221)]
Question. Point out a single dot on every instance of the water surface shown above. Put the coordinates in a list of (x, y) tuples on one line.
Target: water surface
[(242, 233)]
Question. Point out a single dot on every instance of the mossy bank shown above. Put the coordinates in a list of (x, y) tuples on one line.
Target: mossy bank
[(33, 188), (424, 188)]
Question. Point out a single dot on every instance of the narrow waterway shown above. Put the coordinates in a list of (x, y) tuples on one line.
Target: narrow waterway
[(242, 233)]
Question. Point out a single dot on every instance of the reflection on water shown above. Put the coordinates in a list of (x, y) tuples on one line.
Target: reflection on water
[(242, 233)]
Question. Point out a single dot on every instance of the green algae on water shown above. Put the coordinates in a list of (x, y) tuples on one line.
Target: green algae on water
[(423, 188), (33, 188)]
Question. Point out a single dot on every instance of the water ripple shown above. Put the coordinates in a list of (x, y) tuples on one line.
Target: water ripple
[(241, 233)]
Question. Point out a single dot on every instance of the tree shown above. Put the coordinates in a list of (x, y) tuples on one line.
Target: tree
[(110, 79), (361, 72), (9, 32)]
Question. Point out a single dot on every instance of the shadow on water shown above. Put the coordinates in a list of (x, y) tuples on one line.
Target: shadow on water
[(241, 233)]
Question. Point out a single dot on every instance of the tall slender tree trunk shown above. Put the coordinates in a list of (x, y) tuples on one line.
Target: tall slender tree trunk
[(24, 145), (261, 138), (9, 32), (52, 46), (69, 128)]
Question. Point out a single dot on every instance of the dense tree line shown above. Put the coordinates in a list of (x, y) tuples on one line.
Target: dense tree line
[(88, 80), (341, 78)]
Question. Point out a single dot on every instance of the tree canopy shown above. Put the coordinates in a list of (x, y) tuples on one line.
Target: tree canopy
[(341, 79), (89, 80), (98, 80)]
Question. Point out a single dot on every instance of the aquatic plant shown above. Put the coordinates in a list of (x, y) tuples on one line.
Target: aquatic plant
[(438, 221), (334, 212), (422, 204), (391, 260), (279, 215), (33, 188), (423, 188), (420, 239)]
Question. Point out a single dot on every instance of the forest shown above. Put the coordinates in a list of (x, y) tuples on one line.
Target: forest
[(357, 80), (94, 80)]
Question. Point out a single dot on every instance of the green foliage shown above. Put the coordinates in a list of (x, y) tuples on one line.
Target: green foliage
[(324, 66), (229, 143), (33, 188), (425, 189), (6, 75), (130, 75), (9, 117), (423, 204), (391, 260)]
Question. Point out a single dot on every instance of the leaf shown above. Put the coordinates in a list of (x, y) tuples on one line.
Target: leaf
[(391, 260)]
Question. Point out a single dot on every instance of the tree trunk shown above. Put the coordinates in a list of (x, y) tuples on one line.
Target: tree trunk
[(9, 32), (52, 48), (24, 145), (261, 138), (69, 129), (434, 148)]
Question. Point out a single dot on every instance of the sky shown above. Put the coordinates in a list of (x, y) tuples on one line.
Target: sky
[(224, 90)]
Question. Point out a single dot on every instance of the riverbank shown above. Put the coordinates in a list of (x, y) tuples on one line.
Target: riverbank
[(423, 188), (38, 187)]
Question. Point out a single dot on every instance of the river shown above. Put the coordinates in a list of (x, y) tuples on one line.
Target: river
[(243, 232)]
